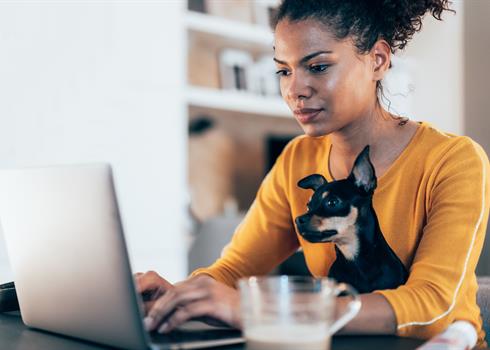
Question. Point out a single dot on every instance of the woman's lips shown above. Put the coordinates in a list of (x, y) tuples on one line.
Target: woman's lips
[(306, 115)]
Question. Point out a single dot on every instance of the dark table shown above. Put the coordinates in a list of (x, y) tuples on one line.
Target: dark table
[(15, 335)]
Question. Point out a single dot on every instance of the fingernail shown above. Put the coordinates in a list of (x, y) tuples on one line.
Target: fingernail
[(148, 322), (163, 328)]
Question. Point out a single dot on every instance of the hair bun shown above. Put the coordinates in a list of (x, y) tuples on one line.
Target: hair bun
[(403, 18), (366, 20)]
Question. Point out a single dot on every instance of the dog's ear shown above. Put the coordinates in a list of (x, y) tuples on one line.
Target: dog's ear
[(312, 182), (363, 174)]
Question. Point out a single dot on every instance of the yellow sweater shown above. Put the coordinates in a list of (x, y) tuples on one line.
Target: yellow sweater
[(432, 205)]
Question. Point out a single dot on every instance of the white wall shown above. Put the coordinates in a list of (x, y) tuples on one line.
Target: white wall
[(436, 62), (477, 92), (102, 81)]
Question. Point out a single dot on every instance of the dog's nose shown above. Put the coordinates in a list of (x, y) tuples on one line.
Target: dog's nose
[(300, 220)]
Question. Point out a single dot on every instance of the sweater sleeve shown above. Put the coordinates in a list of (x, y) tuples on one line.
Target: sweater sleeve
[(265, 237), (445, 261)]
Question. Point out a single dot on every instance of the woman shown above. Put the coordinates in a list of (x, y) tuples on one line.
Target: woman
[(432, 196)]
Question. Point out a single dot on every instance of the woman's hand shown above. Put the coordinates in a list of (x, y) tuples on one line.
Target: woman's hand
[(200, 297), (151, 286)]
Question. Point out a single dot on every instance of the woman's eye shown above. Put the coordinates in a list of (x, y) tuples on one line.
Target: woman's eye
[(282, 72), (319, 68)]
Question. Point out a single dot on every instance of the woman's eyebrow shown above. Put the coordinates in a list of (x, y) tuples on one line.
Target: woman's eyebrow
[(306, 58)]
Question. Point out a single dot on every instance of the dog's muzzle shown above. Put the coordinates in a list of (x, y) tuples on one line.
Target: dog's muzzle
[(313, 236)]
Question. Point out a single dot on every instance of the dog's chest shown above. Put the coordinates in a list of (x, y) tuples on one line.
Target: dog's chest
[(346, 240), (344, 271), (348, 243), (374, 269)]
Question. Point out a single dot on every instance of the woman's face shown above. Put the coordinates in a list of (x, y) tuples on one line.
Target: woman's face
[(325, 82)]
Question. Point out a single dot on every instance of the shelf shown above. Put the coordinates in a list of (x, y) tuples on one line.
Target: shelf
[(222, 27), (236, 101)]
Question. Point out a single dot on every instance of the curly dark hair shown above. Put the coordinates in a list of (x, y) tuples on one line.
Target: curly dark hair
[(366, 21)]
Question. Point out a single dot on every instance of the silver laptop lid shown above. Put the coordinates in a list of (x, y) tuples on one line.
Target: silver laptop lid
[(67, 251)]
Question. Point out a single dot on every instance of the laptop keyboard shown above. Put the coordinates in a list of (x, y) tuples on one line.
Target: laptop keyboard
[(179, 336)]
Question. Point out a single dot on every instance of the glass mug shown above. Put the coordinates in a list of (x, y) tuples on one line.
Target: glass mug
[(284, 312)]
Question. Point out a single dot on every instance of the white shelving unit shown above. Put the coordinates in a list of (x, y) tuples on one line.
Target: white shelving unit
[(237, 102), (225, 28), (229, 33), (250, 119), (248, 122)]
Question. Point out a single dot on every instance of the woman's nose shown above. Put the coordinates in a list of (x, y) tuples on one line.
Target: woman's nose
[(298, 88)]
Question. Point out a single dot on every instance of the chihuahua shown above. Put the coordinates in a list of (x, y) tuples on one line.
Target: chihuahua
[(342, 212)]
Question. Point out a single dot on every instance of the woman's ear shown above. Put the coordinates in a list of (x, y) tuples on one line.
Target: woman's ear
[(381, 57)]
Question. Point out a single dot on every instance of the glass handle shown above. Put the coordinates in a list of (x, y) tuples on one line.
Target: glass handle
[(351, 310)]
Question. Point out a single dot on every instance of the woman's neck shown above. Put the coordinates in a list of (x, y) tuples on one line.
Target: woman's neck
[(380, 130)]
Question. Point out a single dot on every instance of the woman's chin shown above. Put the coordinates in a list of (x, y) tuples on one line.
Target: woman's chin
[(314, 130)]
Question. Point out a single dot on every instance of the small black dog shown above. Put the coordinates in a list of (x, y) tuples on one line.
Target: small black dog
[(342, 212)]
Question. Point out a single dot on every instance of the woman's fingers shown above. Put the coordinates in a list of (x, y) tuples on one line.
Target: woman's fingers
[(151, 281), (198, 297), (151, 286), (148, 305), (175, 298), (185, 313)]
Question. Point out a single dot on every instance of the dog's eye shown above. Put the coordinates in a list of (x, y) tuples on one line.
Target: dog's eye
[(332, 202)]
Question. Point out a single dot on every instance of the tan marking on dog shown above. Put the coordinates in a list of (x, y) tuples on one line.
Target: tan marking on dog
[(324, 194), (346, 238)]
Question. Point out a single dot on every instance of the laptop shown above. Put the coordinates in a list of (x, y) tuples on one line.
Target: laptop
[(66, 246)]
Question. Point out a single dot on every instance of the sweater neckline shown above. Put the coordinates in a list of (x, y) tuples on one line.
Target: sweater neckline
[(391, 171)]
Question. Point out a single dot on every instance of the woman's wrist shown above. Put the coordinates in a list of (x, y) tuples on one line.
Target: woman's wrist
[(375, 317)]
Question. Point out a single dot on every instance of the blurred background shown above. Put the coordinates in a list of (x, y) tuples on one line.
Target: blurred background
[(180, 96)]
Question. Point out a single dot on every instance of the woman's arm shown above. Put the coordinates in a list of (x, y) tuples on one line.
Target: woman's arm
[(266, 237), (375, 317), (442, 273), (441, 287)]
